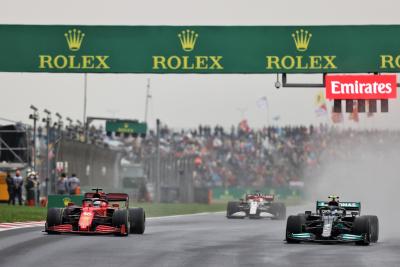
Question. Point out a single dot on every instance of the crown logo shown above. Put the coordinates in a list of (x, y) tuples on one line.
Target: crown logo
[(301, 39), (66, 201), (188, 40), (74, 39)]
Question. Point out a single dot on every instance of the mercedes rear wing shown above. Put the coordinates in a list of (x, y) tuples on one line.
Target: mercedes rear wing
[(351, 206)]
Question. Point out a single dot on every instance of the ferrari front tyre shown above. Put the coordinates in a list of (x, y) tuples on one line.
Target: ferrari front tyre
[(120, 218), (137, 221), (233, 207), (362, 226), (54, 217), (294, 225)]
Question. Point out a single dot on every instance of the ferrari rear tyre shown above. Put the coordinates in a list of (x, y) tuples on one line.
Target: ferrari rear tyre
[(120, 218), (231, 209), (137, 220), (294, 225), (362, 226)]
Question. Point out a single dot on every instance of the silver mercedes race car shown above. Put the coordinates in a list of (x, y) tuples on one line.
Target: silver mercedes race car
[(256, 206), (333, 221)]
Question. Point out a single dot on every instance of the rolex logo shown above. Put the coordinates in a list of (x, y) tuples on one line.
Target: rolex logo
[(188, 40), (66, 201), (74, 39), (72, 61), (301, 39), (187, 62)]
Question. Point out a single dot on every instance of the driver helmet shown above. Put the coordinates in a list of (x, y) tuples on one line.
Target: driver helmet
[(333, 200), (96, 203)]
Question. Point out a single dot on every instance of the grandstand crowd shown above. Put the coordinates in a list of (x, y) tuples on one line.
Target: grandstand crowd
[(272, 156)]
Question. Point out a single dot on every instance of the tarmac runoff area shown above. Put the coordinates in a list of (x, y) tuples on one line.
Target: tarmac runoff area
[(207, 239)]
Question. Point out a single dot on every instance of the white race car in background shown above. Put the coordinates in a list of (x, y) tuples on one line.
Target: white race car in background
[(256, 206)]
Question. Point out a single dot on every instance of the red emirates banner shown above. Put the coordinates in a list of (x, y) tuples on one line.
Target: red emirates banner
[(361, 86)]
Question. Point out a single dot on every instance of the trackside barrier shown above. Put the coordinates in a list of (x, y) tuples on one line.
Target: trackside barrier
[(202, 195), (61, 201), (234, 193)]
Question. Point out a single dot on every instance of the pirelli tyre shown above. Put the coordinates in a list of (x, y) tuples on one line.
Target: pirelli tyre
[(374, 222), (54, 217), (137, 221), (120, 218), (232, 208), (294, 225), (362, 226), (278, 209)]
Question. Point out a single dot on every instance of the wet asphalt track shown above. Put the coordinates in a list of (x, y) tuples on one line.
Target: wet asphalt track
[(197, 240)]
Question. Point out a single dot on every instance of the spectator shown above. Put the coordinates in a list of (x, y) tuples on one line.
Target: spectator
[(37, 188), (18, 182), (30, 187), (10, 189), (62, 184), (74, 185)]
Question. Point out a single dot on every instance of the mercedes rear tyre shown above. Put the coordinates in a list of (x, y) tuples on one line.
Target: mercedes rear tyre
[(120, 219), (362, 226), (137, 220), (294, 225), (374, 227)]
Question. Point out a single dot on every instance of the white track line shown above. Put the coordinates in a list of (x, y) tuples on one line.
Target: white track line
[(20, 225), (184, 215)]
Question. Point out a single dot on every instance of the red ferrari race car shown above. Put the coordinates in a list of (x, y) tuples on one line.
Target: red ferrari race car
[(100, 213)]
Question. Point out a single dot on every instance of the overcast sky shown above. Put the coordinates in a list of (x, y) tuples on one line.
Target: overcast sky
[(182, 100)]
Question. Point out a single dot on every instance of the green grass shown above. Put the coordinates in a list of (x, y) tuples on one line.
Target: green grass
[(21, 213), (24, 213)]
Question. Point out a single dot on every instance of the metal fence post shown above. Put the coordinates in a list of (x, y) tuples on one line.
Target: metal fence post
[(158, 162)]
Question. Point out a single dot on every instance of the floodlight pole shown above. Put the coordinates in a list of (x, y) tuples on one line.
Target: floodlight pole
[(34, 116), (268, 114), (158, 163), (47, 120), (84, 107), (147, 100)]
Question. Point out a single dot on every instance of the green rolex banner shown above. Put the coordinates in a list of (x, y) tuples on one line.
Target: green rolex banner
[(61, 201), (200, 49)]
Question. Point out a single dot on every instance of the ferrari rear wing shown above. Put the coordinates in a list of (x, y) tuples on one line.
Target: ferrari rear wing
[(352, 206), (117, 197), (110, 196)]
